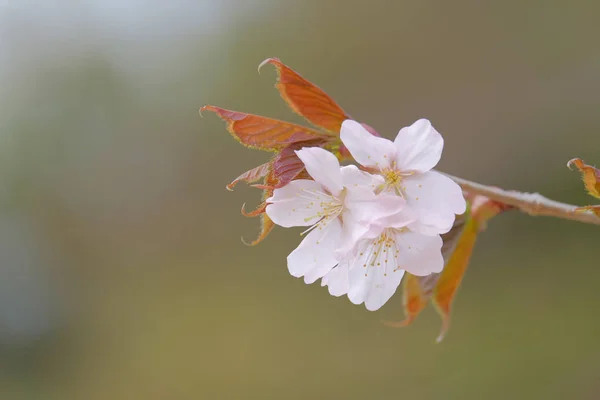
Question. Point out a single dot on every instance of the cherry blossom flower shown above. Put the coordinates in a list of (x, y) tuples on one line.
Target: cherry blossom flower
[(337, 207), (406, 166), (372, 274)]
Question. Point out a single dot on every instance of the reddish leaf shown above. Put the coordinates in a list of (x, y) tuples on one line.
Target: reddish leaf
[(453, 273), (287, 166), (414, 299), (256, 212), (283, 138), (251, 176), (266, 226), (591, 181), (457, 249), (590, 176), (263, 133), (306, 99), (417, 290), (482, 210)]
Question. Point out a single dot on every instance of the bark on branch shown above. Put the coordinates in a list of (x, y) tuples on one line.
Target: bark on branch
[(530, 203)]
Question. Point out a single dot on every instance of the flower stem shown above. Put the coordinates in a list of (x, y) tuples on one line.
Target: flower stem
[(530, 203)]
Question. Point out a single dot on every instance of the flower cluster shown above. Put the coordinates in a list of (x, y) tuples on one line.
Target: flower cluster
[(367, 226)]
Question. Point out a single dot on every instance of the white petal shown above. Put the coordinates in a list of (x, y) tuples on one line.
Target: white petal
[(436, 199), (323, 166), (418, 147), (336, 280), (296, 204), (419, 254), (315, 256), (367, 150)]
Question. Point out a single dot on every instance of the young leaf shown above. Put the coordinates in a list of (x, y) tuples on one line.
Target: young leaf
[(482, 210), (263, 133), (256, 212), (590, 176), (415, 296), (251, 176), (453, 273), (284, 138), (458, 246), (266, 225), (417, 290), (306, 99), (591, 181), (287, 166)]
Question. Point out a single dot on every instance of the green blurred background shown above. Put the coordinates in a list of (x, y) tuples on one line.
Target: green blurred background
[(122, 273)]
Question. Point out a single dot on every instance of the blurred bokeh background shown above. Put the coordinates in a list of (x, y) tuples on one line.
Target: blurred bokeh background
[(122, 273)]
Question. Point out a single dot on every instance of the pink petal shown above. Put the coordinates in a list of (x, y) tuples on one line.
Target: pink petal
[(323, 166), (372, 284), (436, 199), (419, 254), (353, 177), (402, 218), (295, 204), (418, 147), (367, 215), (385, 287), (376, 209), (336, 280), (315, 256), (367, 150)]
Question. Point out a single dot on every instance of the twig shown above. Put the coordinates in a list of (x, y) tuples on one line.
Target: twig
[(530, 203)]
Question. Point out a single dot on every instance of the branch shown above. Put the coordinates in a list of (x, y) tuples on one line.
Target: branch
[(530, 203)]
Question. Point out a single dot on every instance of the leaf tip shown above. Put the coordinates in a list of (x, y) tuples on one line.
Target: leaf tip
[(266, 227), (261, 209), (269, 60), (208, 108), (577, 161), (444, 330)]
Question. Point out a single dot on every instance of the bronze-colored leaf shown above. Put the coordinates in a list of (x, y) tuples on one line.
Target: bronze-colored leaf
[(453, 273), (482, 210), (263, 133), (458, 246), (251, 176), (590, 176), (417, 290), (414, 299), (287, 166), (306, 99), (266, 226)]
